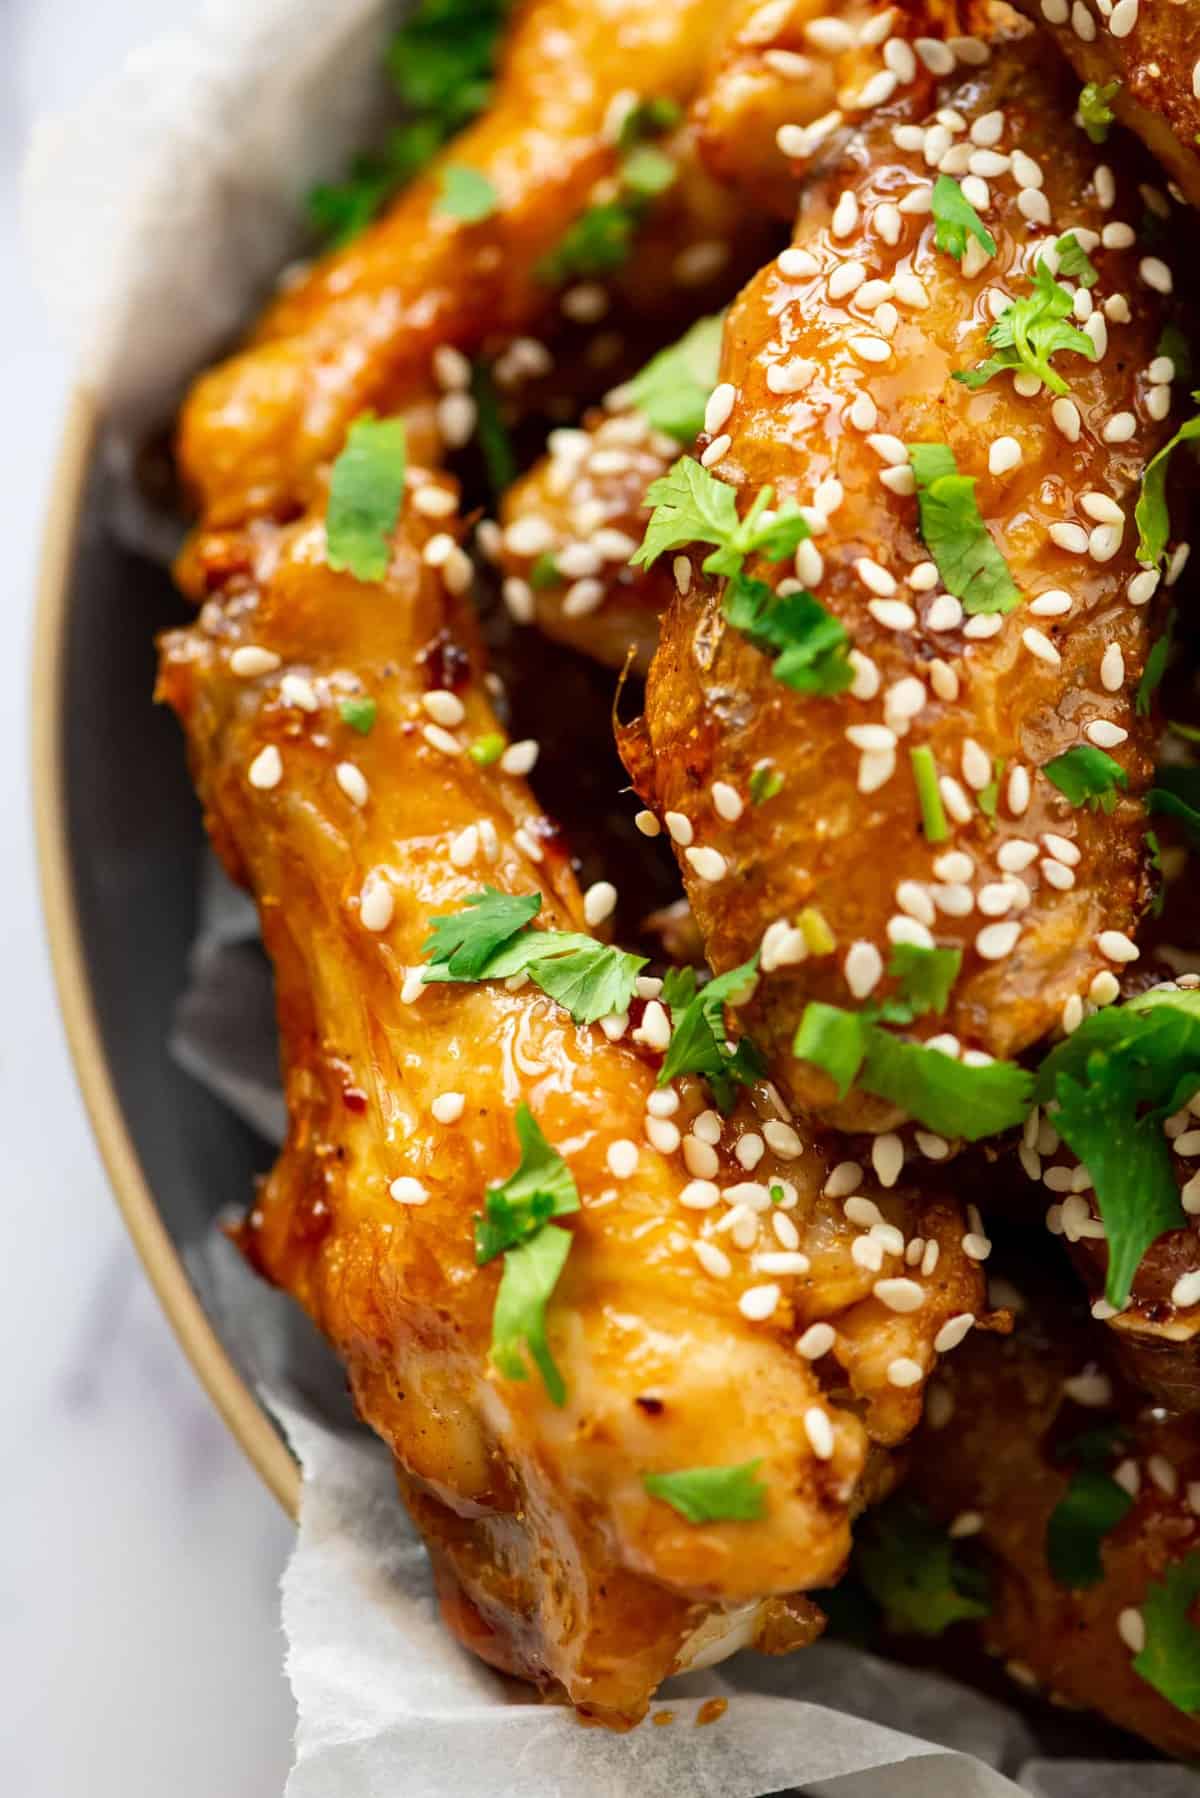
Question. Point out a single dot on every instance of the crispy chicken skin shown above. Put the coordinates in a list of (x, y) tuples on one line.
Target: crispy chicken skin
[(1030, 894), (553, 1560), (1006, 1411), (1151, 50), (360, 328)]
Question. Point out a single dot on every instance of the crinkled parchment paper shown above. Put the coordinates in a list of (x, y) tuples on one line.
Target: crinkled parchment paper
[(159, 215)]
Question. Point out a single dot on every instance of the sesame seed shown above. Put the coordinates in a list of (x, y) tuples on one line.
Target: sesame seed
[(266, 770), (904, 1371), (1071, 537), (727, 801), (353, 782), (758, 1303), (456, 418), (866, 681), (845, 214), (1104, 988), (943, 679), (1114, 945), (954, 799), (1186, 1290), (953, 1331), (995, 941), (250, 660), (830, 35), (1038, 644), (875, 768), (599, 902), (408, 1191), (465, 846), (976, 765), (447, 1108), (902, 929), (809, 564), (438, 739), (782, 1139), (519, 600), (443, 707), (892, 614), (872, 737), (376, 902), (713, 1260), (912, 898), (647, 824), (996, 897), (716, 449), (1062, 849), (792, 376), (1065, 414), (707, 864), (782, 1261), (1124, 18), (622, 1158), (887, 1158), (700, 1195), (887, 222), (1158, 403), (816, 1341), (866, 1252), (1112, 668), (1155, 273), (797, 264), (1003, 455), (1104, 734), (662, 1135), (679, 826), (819, 1431), (1033, 205), (899, 1294), (844, 1179), (863, 968), (655, 1028), (846, 278), (1054, 603)]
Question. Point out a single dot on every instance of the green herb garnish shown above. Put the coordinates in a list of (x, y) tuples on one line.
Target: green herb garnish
[(359, 714), (1091, 1507), (1158, 656), (365, 491), (929, 797), (955, 219), (712, 1494), (765, 782), (1170, 1661), (464, 193), (953, 531), (486, 749), (672, 390), (465, 941), (1086, 776), (544, 572), (490, 939), (808, 646), (690, 505), (601, 239), (1074, 261), (1031, 330), (1151, 514), (913, 1570), (541, 1186), (491, 432), (698, 1042), (1095, 113), (1176, 794)]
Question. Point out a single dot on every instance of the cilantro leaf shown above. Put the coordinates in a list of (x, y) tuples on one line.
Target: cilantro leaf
[(1174, 344), (465, 941), (1155, 667), (1095, 113), (765, 782), (650, 116), (1092, 1505), (809, 647), (591, 981), (541, 1186), (491, 432), (955, 218), (952, 527), (692, 506), (913, 1570), (597, 242), (1116, 1079), (712, 1494), (672, 390), (925, 976), (465, 193), (929, 795), (1151, 515), (1170, 1661), (1074, 261), (1177, 795), (946, 1095), (365, 491), (834, 1040), (697, 1043), (359, 714), (1086, 776), (544, 572), (647, 172), (486, 749), (531, 1272), (1031, 330)]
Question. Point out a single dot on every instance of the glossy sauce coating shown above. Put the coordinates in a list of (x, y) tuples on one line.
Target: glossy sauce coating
[(554, 1561), (844, 834)]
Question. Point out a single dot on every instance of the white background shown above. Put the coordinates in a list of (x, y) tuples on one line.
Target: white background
[(140, 1653)]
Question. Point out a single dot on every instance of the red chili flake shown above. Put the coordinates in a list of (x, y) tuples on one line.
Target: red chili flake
[(354, 1098)]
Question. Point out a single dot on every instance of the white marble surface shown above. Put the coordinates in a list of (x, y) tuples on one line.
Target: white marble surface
[(140, 1652)]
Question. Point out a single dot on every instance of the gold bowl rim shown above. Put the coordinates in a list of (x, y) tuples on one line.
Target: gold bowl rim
[(237, 1404)]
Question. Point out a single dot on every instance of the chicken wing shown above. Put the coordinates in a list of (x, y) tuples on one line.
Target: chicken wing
[(1031, 1428), (1141, 62), (360, 329), (703, 1250), (915, 808)]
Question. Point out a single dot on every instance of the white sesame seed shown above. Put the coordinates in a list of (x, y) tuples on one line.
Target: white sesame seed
[(943, 679), (845, 214), (830, 35), (912, 898), (866, 681), (782, 1139), (1114, 945), (843, 1179), (863, 968), (707, 1127), (438, 739), (889, 449), (250, 660), (1071, 537), (1003, 455), (655, 1028), (647, 824), (662, 1135), (1104, 734), (904, 1371), (443, 707), (819, 1431), (887, 222), (797, 264), (976, 764), (518, 598), (720, 405), (809, 564), (1158, 403), (1065, 414), (887, 1157), (1082, 22), (975, 191), (899, 1294), (456, 418), (866, 1252), (758, 1303), (716, 449), (1155, 273), (680, 827), (870, 349), (877, 91), (1104, 988), (708, 864), (353, 782), (1033, 205), (408, 1191), (266, 770), (727, 801), (1186, 1290), (1112, 668), (599, 902), (873, 737), (995, 941), (792, 376), (892, 614), (902, 929), (1096, 328), (1058, 876), (782, 1261), (465, 846), (447, 1108), (875, 769), (713, 1260), (520, 757), (700, 1195), (1131, 1627), (1124, 18), (996, 897), (1038, 644), (846, 278), (954, 799), (816, 1341), (828, 496)]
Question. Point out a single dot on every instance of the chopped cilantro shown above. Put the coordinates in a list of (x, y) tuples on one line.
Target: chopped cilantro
[(466, 940), (365, 491), (486, 749), (765, 782), (1151, 514), (925, 976), (698, 1043), (955, 218), (1174, 344), (530, 1275), (491, 431), (1092, 1505), (544, 572), (808, 646), (988, 798), (945, 1095), (647, 171), (952, 527), (1170, 1661), (1156, 666), (672, 390), (1074, 261), (1176, 794), (490, 939), (712, 1494), (541, 1186), (648, 118), (359, 714), (914, 1571), (834, 1040), (1031, 330), (692, 506), (929, 796), (1087, 776), (601, 238), (464, 193), (776, 1193), (1115, 1080), (1095, 113), (339, 210)]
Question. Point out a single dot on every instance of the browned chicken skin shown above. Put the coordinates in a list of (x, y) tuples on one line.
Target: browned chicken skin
[(993, 1461), (1032, 893), (1150, 51)]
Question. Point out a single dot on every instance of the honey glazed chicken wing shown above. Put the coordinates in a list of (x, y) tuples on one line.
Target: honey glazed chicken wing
[(1084, 1502), (987, 626), (1138, 61), (360, 329), (703, 1251)]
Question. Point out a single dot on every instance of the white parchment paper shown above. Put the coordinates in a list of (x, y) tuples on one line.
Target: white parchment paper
[(159, 214)]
